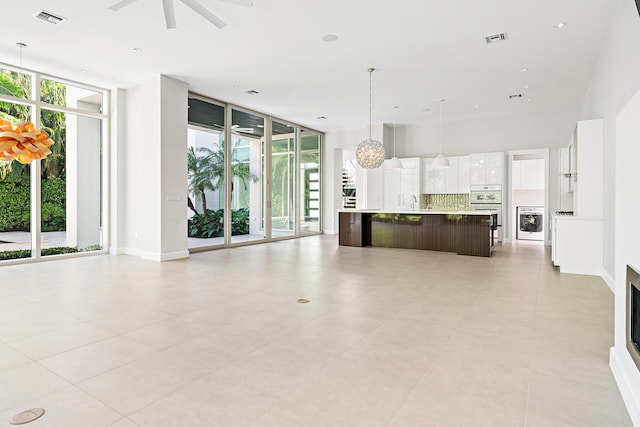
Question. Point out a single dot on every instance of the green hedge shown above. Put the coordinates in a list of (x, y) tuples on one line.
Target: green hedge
[(15, 202), (213, 224), (26, 253)]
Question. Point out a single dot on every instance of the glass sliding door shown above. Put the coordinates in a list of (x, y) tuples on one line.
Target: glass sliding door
[(71, 177), (205, 174), (246, 175), (15, 178), (310, 190), (284, 173)]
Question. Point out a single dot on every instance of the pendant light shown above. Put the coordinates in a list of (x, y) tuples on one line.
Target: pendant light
[(394, 162), (440, 161), (370, 153), (24, 142)]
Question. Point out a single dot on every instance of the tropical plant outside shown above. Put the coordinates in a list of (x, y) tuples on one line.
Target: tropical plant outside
[(205, 168)]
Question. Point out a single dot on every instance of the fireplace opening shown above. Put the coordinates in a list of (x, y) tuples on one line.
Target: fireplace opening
[(633, 314)]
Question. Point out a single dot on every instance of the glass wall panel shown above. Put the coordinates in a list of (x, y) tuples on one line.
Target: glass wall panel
[(284, 179), (71, 181), (15, 84), (66, 95), (15, 184), (205, 163), (309, 182), (247, 178)]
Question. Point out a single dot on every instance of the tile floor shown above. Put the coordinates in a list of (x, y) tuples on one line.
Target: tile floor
[(389, 338)]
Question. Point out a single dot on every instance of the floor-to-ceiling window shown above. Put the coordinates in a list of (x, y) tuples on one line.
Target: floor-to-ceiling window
[(283, 179), (310, 200), (53, 206), (273, 171), (246, 171), (205, 173)]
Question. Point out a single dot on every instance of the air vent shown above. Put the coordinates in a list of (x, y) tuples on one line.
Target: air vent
[(516, 96), (252, 92), (49, 17), (496, 38)]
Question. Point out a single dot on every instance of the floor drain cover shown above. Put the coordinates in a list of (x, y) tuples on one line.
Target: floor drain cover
[(303, 301), (27, 416)]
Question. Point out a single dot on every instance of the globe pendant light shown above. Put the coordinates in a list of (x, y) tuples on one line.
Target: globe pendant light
[(440, 161), (394, 162), (370, 153)]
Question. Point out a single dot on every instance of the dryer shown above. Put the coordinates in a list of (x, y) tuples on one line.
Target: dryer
[(530, 223)]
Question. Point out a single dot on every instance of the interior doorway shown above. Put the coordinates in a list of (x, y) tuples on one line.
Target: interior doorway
[(528, 199)]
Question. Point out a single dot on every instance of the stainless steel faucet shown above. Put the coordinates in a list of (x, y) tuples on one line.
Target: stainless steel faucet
[(412, 202)]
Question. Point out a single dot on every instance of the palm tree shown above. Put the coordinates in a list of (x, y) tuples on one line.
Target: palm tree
[(206, 173)]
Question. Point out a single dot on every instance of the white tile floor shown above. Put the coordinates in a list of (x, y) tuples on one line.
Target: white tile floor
[(390, 338)]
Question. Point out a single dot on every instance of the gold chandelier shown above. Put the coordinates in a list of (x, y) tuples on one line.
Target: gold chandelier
[(24, 142)]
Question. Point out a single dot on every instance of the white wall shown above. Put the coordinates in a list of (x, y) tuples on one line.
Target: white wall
[(615, 80), (155, 169)]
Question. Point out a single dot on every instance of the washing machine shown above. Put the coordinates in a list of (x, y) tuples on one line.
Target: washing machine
[(530, 223)]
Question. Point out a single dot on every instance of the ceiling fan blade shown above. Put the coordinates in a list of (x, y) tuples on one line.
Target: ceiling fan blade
[(169, 14), (245, 3), (121, 4), (204, 12)]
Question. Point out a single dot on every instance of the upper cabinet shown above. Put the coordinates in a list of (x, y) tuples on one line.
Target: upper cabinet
[(401, 186), (588, 151), (486, 168), (451, 180), (528, 174)]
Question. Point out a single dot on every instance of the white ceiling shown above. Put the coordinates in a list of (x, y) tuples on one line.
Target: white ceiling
[(423, 50)]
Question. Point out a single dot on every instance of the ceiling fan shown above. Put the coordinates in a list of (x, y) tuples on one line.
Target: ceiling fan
[(237, 128), (170, 15)]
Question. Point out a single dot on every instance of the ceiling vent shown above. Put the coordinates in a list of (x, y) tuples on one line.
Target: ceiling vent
[(516, 96), (496, 38), (49, 17), (252, 92)]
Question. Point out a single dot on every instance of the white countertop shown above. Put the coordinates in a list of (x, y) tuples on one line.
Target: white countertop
[(420, 212)]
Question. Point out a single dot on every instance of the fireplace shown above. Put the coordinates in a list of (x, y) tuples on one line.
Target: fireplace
[(633, 314)]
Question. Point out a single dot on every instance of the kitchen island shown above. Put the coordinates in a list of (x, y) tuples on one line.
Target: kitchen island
[(463, 232)]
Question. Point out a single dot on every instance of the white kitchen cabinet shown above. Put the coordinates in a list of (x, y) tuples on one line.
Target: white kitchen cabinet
[(588, 150), (391, 188), (400, 186), (486, 168), (576, 245), (528, 174), (451, 176), (451, 180), (463, 175), (434, 180), (410, 182)]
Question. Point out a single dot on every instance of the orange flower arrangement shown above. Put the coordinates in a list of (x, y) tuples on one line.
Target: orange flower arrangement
[(23, 142)]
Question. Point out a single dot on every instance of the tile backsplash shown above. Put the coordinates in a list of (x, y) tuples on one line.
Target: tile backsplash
[(445, 202)]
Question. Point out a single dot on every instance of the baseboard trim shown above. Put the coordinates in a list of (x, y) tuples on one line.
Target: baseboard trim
[(609, 280), (161, 257), (131, 251), (116, 251), (624, 385)]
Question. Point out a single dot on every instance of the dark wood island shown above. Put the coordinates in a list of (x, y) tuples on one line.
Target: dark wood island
[(465, 233)]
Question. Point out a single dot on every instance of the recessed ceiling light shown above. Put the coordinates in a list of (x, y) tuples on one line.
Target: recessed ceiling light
[(236, 85), (321, 118), (524, 70), (529, 100), (329, 38), (428, 111), (137, 49), (560, 25), (525, 86), (477, 107), (252, 92), (83, 70)]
